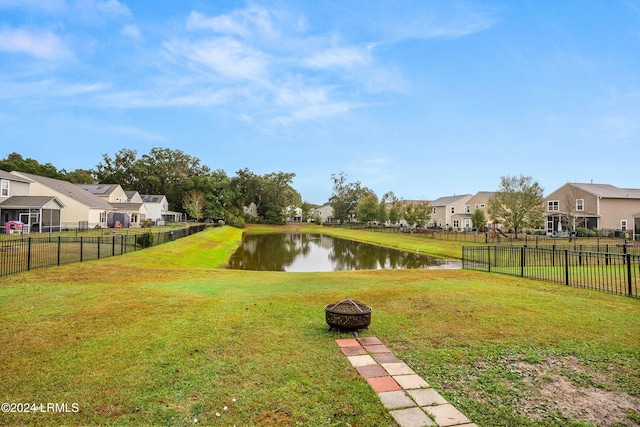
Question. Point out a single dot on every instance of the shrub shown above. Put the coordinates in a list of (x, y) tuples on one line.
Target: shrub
[(145, 240), (585, 232), (146, 223)]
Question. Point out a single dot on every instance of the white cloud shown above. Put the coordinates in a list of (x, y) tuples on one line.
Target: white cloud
[(40, 44), (48, 88), (447, 19), (132, 31), (113, 7), (225, 56), (341, 57), (223, 24), (48, 6)]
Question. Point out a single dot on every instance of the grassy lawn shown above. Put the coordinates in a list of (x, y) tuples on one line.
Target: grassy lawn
[(165, 336)]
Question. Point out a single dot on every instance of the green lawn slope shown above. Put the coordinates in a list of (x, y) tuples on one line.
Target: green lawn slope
[(167, 336)]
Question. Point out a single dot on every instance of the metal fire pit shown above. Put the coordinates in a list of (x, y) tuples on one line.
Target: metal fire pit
[(348, 314)]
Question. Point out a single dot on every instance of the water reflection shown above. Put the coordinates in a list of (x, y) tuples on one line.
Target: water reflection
[(317, 252)]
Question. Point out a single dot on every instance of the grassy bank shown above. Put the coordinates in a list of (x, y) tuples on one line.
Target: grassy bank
[(165, 336)]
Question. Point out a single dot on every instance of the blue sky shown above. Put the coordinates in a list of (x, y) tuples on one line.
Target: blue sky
[(423, 98)]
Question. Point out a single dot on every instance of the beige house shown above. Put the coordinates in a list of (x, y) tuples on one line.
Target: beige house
[(126, 212), (593, 206), (480, 201), (324, 212), (81, 208), (446, 212)]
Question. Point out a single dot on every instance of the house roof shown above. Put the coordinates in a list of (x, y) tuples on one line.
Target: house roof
[(18, 202), (127, 206), (152, 198), (608, 191), (99, 189), (447, 200), (69, 190), (12, 177)]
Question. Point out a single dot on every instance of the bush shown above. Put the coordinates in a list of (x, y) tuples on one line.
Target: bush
[(146, 223), (145, 240), (235, 221), (585, 232)]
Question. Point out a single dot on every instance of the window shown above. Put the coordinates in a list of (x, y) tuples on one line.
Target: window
[(580, 204), (456, 223), (453, 209), (553, 205), (434, 211), (467, 209), (103, 217), (4, 188), (623, 225)]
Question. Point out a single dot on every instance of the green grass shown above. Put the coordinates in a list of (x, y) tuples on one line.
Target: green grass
[(165, 335)]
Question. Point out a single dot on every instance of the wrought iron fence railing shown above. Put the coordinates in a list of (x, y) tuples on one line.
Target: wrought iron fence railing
[(27, 253), (617, 273)]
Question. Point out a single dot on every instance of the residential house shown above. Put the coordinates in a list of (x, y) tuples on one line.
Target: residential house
[(126, 213), (479, 201), (593, 206), (251, 210), (293, 214), (325, 213), (444, 210), (32, 213), (81, 208), (157, 209)]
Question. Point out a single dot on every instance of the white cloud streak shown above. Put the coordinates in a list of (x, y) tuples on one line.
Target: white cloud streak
[(39, 44)]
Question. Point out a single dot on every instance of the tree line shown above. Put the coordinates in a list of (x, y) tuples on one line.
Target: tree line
[(188, 185), (203, 193)]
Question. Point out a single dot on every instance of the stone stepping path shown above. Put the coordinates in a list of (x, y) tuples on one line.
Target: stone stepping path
[(408, 397)]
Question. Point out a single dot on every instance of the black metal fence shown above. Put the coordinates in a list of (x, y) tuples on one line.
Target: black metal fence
[(27, 253), (604, 237), (617, 273)]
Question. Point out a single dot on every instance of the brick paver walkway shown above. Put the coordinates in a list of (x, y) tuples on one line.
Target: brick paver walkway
[(410, 400)]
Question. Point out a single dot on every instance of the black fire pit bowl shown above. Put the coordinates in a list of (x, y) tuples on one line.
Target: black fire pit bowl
[(349, 315)]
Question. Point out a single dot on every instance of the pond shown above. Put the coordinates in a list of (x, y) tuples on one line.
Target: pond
[(297, 252)]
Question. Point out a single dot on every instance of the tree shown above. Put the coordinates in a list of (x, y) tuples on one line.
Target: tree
[(15, 162), (518, 203), (345, 197), (194, 203), (368, 209), (416, 214), (570, 201), (121, 169), (395, 207), (478, 219)]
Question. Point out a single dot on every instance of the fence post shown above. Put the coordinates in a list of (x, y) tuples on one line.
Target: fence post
[(29, 254), (98, 247), (522, 256), (81, 247), (566, 267), (489, 257), (628, 259), (59, 244)]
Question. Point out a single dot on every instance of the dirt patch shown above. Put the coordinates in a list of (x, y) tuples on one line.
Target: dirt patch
[(565, 385)]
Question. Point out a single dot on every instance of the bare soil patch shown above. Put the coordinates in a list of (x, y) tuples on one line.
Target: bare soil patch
[(566, 385)]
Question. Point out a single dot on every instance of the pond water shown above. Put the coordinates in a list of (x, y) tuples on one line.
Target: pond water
[(317, 252)]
